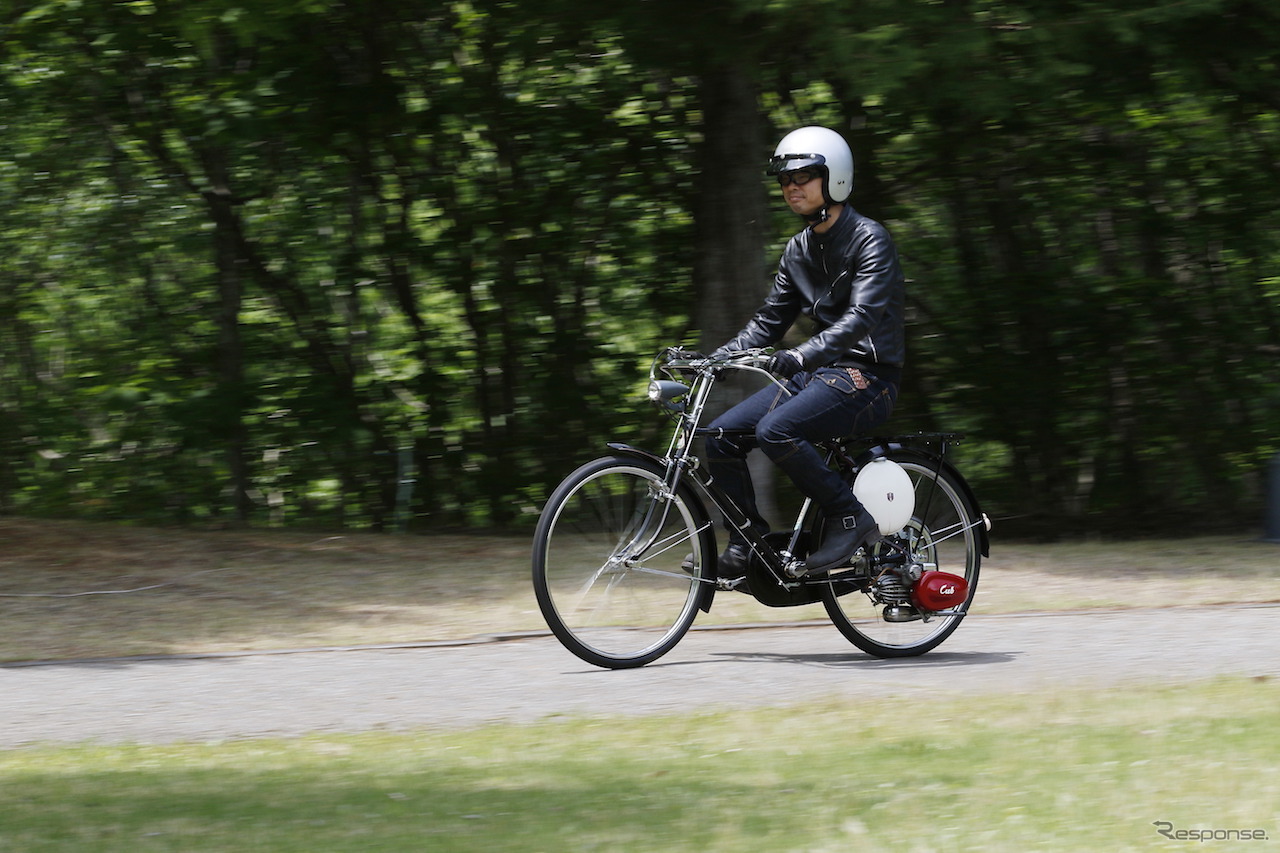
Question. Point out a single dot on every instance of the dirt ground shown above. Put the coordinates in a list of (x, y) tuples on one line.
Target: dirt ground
[(71, 590)]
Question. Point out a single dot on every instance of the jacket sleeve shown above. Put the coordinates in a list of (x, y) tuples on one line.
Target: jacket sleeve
[(780, 309), (862, 291)]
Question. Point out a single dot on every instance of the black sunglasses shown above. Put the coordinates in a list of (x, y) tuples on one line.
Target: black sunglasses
[(799, 177)]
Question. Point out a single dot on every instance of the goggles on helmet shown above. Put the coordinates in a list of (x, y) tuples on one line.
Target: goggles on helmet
[(799, 177), (792, 162)]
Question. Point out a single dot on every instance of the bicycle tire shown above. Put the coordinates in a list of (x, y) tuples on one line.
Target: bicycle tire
[(607, 562), (943, 534)]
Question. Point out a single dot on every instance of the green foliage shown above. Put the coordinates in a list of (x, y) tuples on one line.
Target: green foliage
[(442, 231), (270, 261)]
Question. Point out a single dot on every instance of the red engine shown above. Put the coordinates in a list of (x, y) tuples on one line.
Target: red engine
[(939, 591)]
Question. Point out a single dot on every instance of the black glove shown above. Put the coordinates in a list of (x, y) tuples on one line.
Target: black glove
[(784, 364)]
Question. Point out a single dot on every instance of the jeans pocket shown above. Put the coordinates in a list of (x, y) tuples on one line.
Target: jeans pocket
[(879, 406)]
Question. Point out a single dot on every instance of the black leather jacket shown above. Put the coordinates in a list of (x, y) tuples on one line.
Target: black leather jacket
[(849, 282)]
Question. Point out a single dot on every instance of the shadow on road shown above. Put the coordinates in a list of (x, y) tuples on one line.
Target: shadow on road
[(858, 660)]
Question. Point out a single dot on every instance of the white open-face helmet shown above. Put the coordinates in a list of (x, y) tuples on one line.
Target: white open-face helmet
[(817, 146)]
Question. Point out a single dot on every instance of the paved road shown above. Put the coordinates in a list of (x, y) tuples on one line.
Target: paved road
[(528, 679)]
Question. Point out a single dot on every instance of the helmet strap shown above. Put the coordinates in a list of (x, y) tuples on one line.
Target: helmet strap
[(817, 218)]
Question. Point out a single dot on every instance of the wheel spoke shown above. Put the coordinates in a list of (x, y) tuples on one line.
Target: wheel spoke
[(636, 602), (675, 540)]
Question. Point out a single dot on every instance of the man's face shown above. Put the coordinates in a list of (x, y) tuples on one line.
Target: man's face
[(804, 198)]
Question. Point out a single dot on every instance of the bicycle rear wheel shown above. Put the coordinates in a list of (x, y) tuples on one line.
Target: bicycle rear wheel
[(942, 535), (607, 562)]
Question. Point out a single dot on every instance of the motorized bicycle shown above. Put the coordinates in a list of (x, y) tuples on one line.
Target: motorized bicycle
[(624, 552)]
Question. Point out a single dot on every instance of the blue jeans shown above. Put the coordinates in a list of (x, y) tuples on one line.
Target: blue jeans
[(824, 404)]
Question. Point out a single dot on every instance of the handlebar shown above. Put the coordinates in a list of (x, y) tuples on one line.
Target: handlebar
[(697, 373), (680, 360)]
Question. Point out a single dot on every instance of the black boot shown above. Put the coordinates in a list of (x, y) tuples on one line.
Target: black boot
[(844, 535), (731, 565)]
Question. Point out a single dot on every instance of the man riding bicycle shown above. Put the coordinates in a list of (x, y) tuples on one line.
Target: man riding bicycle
[(842, 272)]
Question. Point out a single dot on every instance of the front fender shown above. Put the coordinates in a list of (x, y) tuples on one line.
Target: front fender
[(630, 450), (695, 504)]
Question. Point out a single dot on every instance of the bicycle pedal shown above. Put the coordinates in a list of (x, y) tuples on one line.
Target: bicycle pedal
[(732, 584)]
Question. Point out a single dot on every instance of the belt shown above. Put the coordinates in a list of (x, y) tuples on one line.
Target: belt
[(887, 372)]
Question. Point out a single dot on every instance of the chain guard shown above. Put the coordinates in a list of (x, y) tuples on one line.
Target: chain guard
[(766, 588)]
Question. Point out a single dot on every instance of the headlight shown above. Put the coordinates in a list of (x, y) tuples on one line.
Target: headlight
[(664, 392)]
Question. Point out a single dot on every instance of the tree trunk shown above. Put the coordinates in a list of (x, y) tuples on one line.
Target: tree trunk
[(231, 378), (730, 274), (730, 270)]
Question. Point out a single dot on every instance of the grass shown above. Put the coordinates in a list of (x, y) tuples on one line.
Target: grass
[(213, 591), (1063, 771)]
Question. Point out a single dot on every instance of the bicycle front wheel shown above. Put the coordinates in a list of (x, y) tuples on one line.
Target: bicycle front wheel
[(618, 562), (943, 535)]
